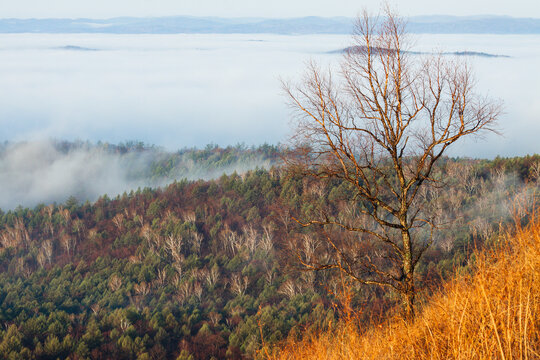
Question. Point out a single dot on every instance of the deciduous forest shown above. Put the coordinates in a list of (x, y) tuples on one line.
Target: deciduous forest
[(211, 269)]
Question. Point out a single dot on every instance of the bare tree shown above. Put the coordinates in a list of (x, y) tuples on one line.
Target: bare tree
[(173, 245), (67, 242), (115, 282), (289, 289), (250, 237), (231, 240), (78, 228), (47, 248), (380, 125), (118, 221), (535, 171), (239, 284), (212, 276), (161, 279), (267, 243), (196, 241)]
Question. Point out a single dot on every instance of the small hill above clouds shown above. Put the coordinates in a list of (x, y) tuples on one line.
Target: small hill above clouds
[(360, 49), (304, 25)]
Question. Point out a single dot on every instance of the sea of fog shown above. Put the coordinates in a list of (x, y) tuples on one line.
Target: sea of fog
[(179, 91), (191, 90)]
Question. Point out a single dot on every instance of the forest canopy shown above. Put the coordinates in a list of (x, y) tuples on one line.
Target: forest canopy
[(164, 272)]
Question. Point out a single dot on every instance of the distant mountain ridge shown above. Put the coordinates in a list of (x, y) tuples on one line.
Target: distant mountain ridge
[(179, 24), (304, 25)]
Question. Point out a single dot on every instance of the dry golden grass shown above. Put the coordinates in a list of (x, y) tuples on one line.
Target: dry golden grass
[(492, 314)]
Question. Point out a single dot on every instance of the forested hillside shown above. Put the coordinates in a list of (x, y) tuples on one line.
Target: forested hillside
[(492, 312), (210, 268), (36, 172)]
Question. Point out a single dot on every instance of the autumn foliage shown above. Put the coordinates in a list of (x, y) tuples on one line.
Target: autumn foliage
[(491, 313), (210, 269)]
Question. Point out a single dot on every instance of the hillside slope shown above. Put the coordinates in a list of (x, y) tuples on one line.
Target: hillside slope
[(491, 314), (163, 273)]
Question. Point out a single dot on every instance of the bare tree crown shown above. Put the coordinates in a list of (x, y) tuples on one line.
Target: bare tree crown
[(380, 124)]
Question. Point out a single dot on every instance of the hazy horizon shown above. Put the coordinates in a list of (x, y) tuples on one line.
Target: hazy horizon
[(305, 25)]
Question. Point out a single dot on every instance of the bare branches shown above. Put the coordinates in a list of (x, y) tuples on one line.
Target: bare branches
[(381, 124)]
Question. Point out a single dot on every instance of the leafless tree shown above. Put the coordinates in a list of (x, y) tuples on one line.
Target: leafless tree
[(93, 234), (41, 259), (78, 228), (142, 289), (535, 171), (285, 218), (215, 318), (49, 226), (189, 217), (289, 289), (96, 308), (65, 214), (269, 274), (231, 240), (173, 245), (196, 241), (250, 237), (185, 290), (67, 242), (118, 221), (380, 124), (115, 282), (212, 276), (161, 279), (267, 243), (47, 248), (239, 284), (482, 228), (198, 290)]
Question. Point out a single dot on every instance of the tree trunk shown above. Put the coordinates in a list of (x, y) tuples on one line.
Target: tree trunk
[(408, 297), (408, 291)]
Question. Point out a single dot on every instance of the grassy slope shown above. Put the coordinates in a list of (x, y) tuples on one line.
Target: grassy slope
[(491, 314)]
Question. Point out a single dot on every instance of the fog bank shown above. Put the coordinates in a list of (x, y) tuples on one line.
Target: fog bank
[(48, 171), (191, 90)]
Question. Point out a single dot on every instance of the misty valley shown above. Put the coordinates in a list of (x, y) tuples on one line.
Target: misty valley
[(291, 192)]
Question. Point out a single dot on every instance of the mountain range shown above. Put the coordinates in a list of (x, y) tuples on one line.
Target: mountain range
[(304, 25)]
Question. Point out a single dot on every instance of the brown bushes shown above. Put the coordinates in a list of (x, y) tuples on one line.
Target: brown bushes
[(491, 314)]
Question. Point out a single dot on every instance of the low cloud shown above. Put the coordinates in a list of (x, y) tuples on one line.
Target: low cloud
[(48, 171)]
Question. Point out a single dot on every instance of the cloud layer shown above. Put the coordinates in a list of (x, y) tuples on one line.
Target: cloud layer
[(191, 90), (180, 91)]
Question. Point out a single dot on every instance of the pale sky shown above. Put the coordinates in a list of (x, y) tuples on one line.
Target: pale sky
[(257, 8)]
